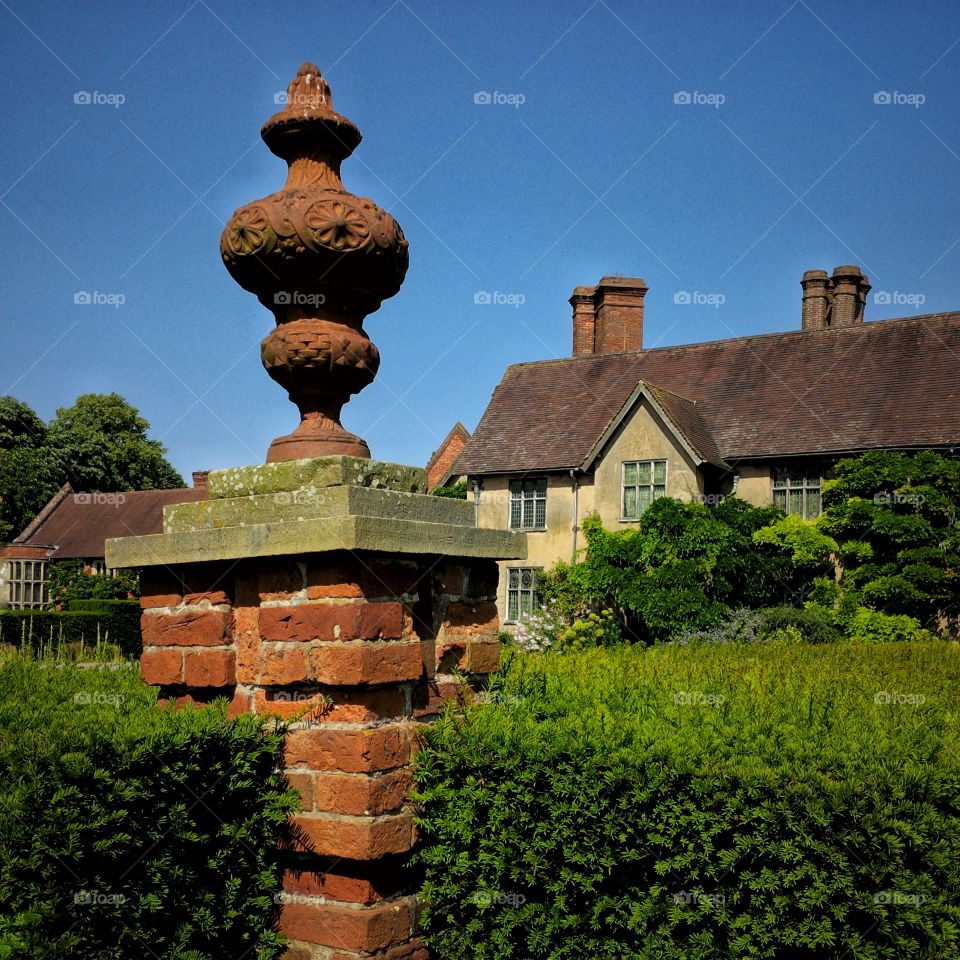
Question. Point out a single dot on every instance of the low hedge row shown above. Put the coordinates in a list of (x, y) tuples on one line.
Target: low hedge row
[(127, 830), (775, 801), (87, 622)]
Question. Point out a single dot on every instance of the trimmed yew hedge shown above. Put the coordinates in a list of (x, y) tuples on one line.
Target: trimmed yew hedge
[(128, 830), (87, 622), (782, 801)]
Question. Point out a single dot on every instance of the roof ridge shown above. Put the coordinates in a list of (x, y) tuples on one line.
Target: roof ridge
[(34, 526), (827, 331)]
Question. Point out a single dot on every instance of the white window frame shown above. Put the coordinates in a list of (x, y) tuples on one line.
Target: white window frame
[(797, 483), (652, 486), (516, 574), (27, 584), (528, 503)]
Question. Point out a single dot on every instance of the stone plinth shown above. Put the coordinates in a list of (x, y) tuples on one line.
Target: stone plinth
[(334, 594)]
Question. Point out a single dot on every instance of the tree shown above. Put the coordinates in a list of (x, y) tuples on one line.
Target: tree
[(103, 444), (19, 425), (895, 518)]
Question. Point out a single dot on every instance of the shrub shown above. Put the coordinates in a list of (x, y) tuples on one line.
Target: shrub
[(127, 830), (894, 517), (70, 582), (456, 491), (85, 623), (770, 802)]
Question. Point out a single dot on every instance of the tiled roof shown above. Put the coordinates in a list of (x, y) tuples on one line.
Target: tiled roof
[(76, 524), (892, 383)]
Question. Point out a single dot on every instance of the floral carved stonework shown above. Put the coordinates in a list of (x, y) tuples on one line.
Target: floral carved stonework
[(321, 259)]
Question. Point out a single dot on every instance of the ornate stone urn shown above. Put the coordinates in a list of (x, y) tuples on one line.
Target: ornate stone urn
[(321, 259)]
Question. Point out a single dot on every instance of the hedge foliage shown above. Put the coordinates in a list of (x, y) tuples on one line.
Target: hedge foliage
[(771, 801), (127, 830), (86, 622)]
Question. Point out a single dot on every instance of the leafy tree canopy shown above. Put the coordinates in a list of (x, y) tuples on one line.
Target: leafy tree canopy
[(19, 425), (103, 443)]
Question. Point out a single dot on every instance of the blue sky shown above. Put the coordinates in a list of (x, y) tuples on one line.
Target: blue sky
[(581, 164)]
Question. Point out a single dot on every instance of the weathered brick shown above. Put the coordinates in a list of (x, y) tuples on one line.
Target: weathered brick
[(346, 881), (279, 579), (468, 617), (348, 575), (361, 794), (354, 838), (450, 653), (241, 702), (246, 632), (353, 928), (349, 750), (191, 628), (159, 587), (339, 664), (413, 950), (162, 667), (280, 666), (209, 668), (303, 784), (349, 705), (483, 656), (332, 621), (430, 698)]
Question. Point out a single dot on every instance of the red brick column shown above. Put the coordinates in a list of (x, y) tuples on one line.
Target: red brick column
[(357, 649)]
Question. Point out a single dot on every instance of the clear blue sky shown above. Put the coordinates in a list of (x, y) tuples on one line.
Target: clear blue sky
[(596, 171)]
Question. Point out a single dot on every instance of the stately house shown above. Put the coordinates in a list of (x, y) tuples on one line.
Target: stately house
[(763, 417), (74, 526)]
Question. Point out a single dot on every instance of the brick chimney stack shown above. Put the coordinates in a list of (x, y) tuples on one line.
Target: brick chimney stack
[(200, 478), (837, 301), (608, 318), (850, 288)]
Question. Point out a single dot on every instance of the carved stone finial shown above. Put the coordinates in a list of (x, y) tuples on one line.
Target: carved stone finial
[(321, 259)]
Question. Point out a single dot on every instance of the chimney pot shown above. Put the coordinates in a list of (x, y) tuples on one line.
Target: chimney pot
[(817, 296), (850, 289)]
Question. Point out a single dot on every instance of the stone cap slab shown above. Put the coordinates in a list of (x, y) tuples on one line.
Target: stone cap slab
[(316, 536), (289, 475), (314, 503)]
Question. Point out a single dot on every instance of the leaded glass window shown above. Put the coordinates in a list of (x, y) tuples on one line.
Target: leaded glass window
[(521, 592), (797, 490), (643, 482), (528, 504)]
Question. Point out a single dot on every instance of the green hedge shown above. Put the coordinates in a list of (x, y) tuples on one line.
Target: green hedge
[(781, 801), (86, 622), (127, 830)]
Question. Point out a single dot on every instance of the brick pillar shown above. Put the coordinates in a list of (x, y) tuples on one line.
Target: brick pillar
[(355, 646)]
